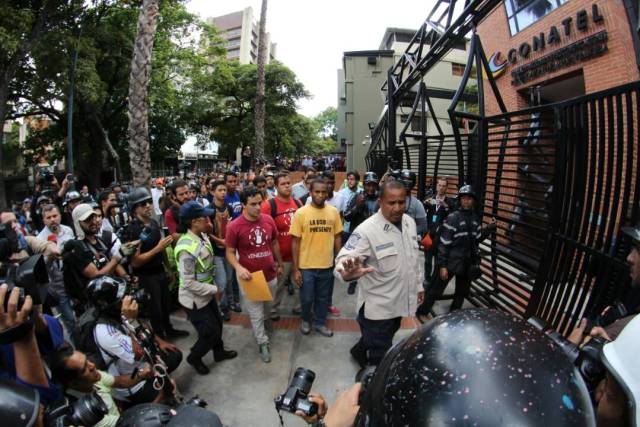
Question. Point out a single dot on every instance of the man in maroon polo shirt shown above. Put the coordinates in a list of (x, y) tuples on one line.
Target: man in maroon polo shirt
[(255, 238)]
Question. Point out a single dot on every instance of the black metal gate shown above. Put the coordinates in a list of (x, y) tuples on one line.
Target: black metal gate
[(561, 179)]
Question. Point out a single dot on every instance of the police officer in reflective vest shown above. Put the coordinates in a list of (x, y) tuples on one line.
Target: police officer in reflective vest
[(458, 251), (194, 257)]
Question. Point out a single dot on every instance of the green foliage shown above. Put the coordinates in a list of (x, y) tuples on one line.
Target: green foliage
[(185, 54), (229, 117), (326, 124)]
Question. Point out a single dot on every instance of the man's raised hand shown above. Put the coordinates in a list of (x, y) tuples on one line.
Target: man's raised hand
[(353, 269)]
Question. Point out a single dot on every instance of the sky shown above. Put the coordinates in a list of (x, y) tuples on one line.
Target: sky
[(312, 35)]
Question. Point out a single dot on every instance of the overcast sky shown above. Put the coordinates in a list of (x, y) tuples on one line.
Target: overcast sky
[(312, 35)]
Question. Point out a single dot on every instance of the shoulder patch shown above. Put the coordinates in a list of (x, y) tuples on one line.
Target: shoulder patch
[(384, 246), (353, 241)]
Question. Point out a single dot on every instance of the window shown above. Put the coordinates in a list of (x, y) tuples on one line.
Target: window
[(522, 13), (457, 69)]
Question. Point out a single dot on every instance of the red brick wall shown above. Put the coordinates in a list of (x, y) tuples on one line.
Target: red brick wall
[(615, 67)]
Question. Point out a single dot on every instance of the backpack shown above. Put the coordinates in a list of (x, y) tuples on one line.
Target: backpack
[(274, 207), (86, 339)]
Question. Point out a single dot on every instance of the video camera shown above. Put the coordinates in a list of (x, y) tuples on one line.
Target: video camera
[(587, 359), (295, 398)]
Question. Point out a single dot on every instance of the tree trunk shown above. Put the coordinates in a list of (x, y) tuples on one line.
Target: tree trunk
[(260, 112), (140, 158)]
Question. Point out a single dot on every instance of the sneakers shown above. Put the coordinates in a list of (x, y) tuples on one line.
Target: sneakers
[(324, 331), (334, 310), (352, 288), (235, 307), (265, 353), (197, 364), (305, 328)]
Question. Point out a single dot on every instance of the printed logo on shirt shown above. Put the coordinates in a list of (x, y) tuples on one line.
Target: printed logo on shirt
[(321, 225), (257, 236), (353, 241)]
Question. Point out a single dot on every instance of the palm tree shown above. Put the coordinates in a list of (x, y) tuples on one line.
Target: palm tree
[(260, 112), (139, 155)]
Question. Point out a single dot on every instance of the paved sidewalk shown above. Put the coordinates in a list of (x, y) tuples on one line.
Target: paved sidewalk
[(241, 390)]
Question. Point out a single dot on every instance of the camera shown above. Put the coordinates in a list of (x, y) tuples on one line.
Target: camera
[(86, 411), (587, 359), (295, 398), (30, 275), (140, 296)]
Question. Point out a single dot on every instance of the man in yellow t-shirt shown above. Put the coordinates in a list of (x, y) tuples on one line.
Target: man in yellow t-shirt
[(316, 231)]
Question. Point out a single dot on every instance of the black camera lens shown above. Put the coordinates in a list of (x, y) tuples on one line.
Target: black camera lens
[(303, 380), (88, 410)]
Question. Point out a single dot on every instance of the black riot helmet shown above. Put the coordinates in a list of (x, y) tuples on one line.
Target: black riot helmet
[(138, 195), (467, 190), (408, 178), (106, 292), (71, 196), (370, 177), (19, 404), (475, 367), (155, 414)]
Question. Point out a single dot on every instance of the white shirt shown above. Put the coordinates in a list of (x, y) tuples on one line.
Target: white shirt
[(337, 201), (156, 194), (117, 347), (65, 234)]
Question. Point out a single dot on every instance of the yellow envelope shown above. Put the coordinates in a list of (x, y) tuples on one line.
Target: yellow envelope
[(256, 289)]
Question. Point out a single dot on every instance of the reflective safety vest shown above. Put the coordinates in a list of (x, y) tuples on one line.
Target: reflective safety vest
[(204, 270)]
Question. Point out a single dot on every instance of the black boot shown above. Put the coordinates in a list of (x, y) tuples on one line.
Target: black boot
[(359, 354), (197, 364), (224, 354)]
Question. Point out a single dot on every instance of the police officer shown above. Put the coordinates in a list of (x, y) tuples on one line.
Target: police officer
[(458, 251), (383, 255), (195, 260), (362, 206), (148, 261)]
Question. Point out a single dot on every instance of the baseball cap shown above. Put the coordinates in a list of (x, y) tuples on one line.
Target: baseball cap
[(193, 209), (82, 212)]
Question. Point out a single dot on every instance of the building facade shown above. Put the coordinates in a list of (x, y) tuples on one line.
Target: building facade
[(241, 33), (360, 98), (545, 51)]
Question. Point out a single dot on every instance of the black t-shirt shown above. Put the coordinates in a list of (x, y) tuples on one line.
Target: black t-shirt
[(134, 232), (82, 255), (218, 251)]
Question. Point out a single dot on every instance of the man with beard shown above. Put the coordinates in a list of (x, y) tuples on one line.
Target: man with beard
[(179, 196), (59, 234), (148, 262), (89, 256)]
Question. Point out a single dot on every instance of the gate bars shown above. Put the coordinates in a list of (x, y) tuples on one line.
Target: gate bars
[(560, 179)]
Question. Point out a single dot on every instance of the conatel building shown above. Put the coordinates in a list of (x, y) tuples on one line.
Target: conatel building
[(545, 51)]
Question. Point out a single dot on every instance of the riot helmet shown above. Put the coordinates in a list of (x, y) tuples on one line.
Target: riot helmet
[(19, 404), (408, 178), (467, 190), (370, 177), (137, 196), (106, 292), (71, 196), (476, 367)]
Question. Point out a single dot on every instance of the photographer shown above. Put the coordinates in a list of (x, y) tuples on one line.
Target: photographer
[(148, 262), (24, 245), (89, 256), (75, 371), (26, 334), (611, 400), (123, 354)]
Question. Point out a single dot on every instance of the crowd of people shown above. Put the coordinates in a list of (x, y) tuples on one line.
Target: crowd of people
[(121, 255)]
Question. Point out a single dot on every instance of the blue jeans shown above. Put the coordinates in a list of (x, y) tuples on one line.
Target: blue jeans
[(315, 293), (226, 281), (67, 314)]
